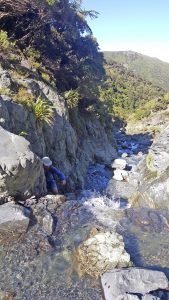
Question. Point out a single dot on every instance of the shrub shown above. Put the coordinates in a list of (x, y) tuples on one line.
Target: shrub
[(24, 97), (4, 40), (5, 91), (51, 2), (45, 76), (33, 57), (43, 111), (23, 133), (72, 98)]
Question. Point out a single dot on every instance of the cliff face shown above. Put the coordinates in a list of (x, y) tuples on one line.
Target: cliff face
[(71, 143), (155, 171)]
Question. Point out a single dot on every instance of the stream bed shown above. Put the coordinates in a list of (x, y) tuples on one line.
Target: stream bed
[(33, 269)]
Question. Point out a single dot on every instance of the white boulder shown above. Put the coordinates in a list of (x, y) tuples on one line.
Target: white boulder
[(120, 175), (119, 163), (101, 252)]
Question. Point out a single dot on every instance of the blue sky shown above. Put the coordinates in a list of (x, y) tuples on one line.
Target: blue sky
[(138, 25)]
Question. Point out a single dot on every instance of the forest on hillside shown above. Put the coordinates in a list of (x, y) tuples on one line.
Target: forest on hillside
[(146, 67), (131, 94)]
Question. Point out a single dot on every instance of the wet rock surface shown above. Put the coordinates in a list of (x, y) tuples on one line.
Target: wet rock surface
[(120, 284), (14, 221), (46, 254), (154, 172)]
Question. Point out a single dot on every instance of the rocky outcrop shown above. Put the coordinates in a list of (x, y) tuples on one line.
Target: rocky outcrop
[(21, 172), (14, 222), (101, 252), (120, 189), (44, 209), (126, 284), (154, 191), (71, 143)]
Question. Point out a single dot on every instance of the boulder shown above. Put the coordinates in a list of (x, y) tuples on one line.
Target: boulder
[(44, 209), (124, 154), (128, 297), (48, 223), (120, 189), (118, 284), (14, 221), (150, 297), (21, 171), (101, 252), (119, 163), (154, 170), (120, 175)]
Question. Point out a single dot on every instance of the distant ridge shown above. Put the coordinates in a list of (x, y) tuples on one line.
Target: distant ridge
[(149, 68)]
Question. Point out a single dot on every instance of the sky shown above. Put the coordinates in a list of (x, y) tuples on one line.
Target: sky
[(137, 25)]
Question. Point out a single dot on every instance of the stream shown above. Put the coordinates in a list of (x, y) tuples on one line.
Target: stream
[(30, 270)]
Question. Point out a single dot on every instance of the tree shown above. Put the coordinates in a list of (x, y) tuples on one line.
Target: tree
[(58, 30)]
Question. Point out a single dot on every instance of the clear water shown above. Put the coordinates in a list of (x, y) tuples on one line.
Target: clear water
[(148, 248), (30, 271)]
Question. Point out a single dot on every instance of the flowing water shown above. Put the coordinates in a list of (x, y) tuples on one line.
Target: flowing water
[(30, 270)]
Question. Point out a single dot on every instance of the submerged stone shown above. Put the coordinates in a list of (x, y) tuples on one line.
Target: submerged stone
[(101, 253), (14, 222)]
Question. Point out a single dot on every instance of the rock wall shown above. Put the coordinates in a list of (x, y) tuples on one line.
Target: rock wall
[(154, 185), (21, 171), (70, 148)]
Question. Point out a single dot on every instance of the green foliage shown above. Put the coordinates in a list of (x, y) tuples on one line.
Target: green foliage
[(23, 133), (5, 91), (13, 58), (43, 111), (149, 68), (5, 41), (131, 95), (45, 76), (58, 42), (51, 2), (106, 96), (151, 106), (59, 38), (33, 57), (24, 97), (72, 98)]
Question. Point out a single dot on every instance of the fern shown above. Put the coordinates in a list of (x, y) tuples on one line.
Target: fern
[(43, 111), (72, 98)]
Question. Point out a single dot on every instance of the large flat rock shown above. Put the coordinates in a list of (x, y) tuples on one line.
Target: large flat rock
[(118, 284)]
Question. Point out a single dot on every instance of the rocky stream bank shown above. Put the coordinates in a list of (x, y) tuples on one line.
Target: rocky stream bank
[(59, 246)]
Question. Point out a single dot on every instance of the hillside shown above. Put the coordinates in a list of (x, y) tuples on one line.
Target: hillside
[(132, 94), (149, 68)]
